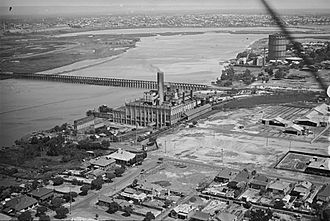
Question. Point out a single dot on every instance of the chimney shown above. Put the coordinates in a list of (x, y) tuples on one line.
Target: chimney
[(191, 94), (183, 96), (160, 83)]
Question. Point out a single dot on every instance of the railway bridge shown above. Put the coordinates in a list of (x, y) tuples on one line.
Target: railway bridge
[(114, 82)]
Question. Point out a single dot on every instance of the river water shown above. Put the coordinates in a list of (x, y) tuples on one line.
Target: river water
[(27, 106)]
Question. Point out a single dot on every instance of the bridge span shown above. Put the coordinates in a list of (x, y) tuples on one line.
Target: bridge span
[(114, 82)]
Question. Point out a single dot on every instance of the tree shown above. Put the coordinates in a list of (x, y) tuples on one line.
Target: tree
[(41, 210), (58, 181), (279, 204), (44, 217), (279, 74), (127, 210), (113, 207), (247, 205), (70, 196), (57, 202), (26, 216), (167, 203), (34, 185), (134, 183), (61, 212), (97, 184), (84, 189), (119, 171), (110, 175), (254, 172), (260, 215), (149, 216)]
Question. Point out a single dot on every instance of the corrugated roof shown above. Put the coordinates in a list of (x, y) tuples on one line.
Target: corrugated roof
[(40, 192), (122, 155), (102, 161), (21, 202)]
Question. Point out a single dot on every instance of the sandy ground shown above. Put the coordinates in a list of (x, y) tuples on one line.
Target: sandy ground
[(216, 141)]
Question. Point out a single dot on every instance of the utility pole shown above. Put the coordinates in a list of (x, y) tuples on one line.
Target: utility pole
[(165, 146), (222, 157), (290, 146)]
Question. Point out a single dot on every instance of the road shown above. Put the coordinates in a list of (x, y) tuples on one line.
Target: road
[(87, 206)]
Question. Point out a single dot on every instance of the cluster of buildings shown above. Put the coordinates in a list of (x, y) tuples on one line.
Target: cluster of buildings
[(318, 116), (159, 108)]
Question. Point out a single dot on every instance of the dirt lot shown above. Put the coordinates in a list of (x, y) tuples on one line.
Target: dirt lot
[(219, 137)]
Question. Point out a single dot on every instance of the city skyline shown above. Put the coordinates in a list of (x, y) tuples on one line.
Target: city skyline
[(130, 6)]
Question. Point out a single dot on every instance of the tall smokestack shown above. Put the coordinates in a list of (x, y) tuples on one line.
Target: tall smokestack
[(160, 82)]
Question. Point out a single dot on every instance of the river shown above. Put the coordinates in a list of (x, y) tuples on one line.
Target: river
[(27, 106)]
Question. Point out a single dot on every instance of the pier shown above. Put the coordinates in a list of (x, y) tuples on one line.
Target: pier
[(113, 82)]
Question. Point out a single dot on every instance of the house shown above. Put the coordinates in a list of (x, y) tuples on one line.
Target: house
[(302, 189), (19, 204), (131, 194), (319, 166), (324, 193), (123, 157), (182, 211), (224, 175), (279, 187), (224, 216), (294, 129), (199, 216), (103, 162), (259, 182), (42, 194), (242, 177)]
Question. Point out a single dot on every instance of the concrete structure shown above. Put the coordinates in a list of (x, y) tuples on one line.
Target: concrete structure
[(319, 166), (277, 47), (324, 193), (114, 82), (160, 84), (182, 211), (89, 122), (160, 109)]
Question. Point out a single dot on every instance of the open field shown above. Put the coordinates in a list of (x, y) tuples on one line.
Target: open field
[(219, 140), (36, 53)]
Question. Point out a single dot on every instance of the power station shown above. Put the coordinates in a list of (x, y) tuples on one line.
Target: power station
[(277, 47)]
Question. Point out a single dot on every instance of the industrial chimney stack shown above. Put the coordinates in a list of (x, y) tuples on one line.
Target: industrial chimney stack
[(160, 82)]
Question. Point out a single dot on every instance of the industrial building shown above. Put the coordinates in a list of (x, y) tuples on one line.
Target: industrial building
[(159, 108), (277, 47)]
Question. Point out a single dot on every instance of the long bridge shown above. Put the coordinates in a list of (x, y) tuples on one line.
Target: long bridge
[(114, 82)]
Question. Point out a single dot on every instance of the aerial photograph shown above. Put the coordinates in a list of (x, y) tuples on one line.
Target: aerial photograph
[(144, 110)]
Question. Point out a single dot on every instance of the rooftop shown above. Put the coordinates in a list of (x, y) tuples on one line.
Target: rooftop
[(325, 191), (320, 163), (279, 185), (40, 192), (122, 155), (200, 216), (21, 202), (226, 217), (102, 161)]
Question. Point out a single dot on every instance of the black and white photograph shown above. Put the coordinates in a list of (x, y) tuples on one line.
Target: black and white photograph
[(165, 110)]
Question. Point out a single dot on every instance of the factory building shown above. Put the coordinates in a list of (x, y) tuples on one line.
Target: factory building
[(159, 108), (277, 47)]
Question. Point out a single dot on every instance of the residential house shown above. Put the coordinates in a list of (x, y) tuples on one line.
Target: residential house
[(259, 182), (324, 193), (224, 216), (42, 194), (103, 162), (242, 177), (182, 211), (224, 175), (131, 194), (123, 157), (279, 187), (199, 216), (302, 189), (19, 204)]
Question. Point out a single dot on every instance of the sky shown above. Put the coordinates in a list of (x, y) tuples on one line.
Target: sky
[(111, 6)]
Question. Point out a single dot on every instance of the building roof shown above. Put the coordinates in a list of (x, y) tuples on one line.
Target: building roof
[(260, 180), (304, 184), (122, 155), (102, 161), (281, 120), (279, 185), (325, 191), (294, 127), (198, 215), (40, 192), (225, 173), (184, 208), (21, 202), (226, 217), (105, 199), (320, 163), (242, 176), (323, 109)]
